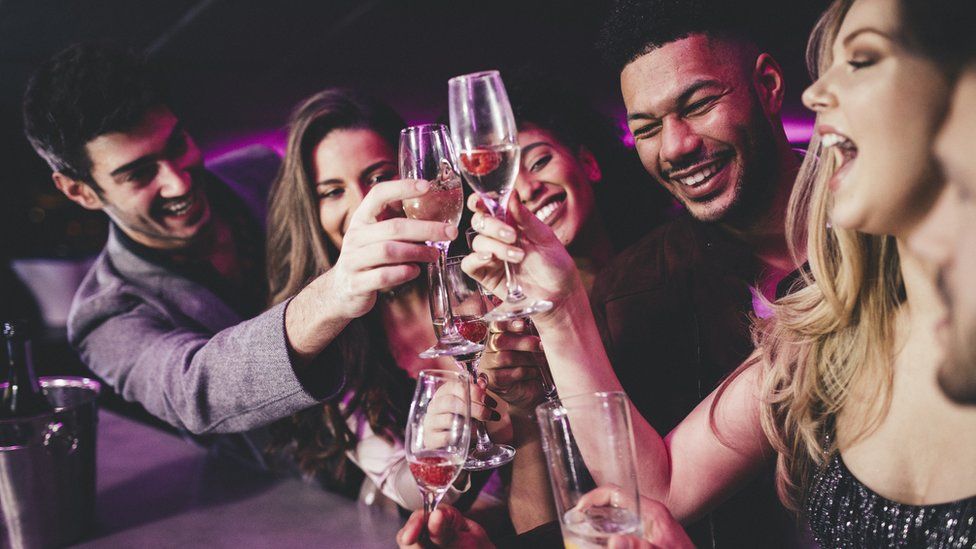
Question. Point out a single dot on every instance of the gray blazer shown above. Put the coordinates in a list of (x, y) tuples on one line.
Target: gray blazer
[(175, 347)]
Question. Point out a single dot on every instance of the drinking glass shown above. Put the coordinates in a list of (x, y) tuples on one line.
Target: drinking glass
[(487, 141), (426, 152), (545, 375), (469, 306), (438, 433), (589, 443)]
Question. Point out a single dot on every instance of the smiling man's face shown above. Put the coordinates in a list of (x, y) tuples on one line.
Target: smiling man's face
[(146, 178), (698, 125)]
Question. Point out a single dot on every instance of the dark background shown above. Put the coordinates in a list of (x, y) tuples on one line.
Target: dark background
[(237, 67)]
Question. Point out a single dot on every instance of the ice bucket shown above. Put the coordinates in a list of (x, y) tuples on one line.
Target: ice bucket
[(47, 468)]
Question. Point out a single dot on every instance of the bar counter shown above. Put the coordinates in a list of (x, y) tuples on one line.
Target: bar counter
[(155, 489)]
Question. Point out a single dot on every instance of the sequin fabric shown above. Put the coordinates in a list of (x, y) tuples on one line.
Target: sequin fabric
[(844, 513)]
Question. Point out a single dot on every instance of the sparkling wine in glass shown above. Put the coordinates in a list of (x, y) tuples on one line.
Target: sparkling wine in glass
[(438, 433), (470, 306), (426, 152), (484, 129)]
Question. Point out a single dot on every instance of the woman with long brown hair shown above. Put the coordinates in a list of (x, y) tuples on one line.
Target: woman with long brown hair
[(842, 389), (340, 146)]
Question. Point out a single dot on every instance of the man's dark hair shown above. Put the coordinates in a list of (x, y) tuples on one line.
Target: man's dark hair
[(942, 30), (85, 91), (636, 27)]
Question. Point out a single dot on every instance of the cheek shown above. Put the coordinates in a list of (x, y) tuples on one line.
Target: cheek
[(332, 220), (648, 154)]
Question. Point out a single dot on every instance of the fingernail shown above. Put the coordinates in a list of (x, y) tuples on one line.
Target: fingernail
[(495, 416), (423, 185), (506, 234), (484, 257), (512, 253), (490, 402), (452, 232)]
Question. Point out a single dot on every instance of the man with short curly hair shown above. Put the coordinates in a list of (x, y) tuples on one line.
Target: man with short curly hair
[(703, 104)]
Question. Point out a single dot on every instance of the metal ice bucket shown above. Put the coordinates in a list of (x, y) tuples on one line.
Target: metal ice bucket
[(47, 468)]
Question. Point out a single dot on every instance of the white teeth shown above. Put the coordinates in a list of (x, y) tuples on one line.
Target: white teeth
[(828, 140), (543, 213), (699, 176), (178, 208)]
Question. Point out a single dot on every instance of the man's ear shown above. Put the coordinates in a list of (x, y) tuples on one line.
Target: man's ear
[(78, 192), (768, 79), (590, 166)]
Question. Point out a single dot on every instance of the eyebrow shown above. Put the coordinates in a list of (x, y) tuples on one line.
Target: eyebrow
[(854, 34), (681, 99), (149, 158), (527, 148), (371, 167)]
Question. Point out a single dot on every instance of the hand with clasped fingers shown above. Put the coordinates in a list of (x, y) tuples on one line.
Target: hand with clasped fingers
[(545, 268), (511, 365), (448, 402)]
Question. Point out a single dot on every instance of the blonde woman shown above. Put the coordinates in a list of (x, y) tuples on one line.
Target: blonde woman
[(842, 390)]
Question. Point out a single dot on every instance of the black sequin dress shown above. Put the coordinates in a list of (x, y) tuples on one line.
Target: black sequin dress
[(844, 513)]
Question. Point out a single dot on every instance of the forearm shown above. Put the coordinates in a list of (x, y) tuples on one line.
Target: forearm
[(530, 497), (313, 320), (579, 365)]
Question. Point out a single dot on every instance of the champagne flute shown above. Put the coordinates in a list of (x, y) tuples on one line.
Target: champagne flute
[(484, 129), (470, 306), (438, 433), (426, 153)]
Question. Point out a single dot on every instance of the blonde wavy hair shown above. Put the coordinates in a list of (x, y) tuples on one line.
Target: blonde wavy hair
[(836, 327)]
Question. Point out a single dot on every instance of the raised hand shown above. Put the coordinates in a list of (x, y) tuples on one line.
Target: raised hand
[(447, 402), (379, 253), (448, 528), (510, 365), (546, 270)]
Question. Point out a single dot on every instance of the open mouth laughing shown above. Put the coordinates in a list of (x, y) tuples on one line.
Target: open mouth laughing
[(698, 181), (550, 208), (844, 151)]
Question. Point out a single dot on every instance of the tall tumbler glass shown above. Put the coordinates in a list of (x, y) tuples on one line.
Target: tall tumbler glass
[(589, 444)]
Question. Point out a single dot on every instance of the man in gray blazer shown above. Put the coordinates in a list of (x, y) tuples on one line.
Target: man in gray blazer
[(169, 313)]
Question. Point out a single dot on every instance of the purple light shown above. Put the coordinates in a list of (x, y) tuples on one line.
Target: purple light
[(798, 130), (274, 139)]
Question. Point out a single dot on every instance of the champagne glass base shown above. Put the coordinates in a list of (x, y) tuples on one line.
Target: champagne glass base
[(492, 457), (520, 309), (452, 347)]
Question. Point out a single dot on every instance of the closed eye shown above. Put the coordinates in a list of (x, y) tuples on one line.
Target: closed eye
[(540, 163), (700, 107), (648, 130), (332, 193)]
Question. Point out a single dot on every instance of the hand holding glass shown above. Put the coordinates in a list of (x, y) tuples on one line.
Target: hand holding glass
[(470, 305), (426, 153), (438, 433), (487, 140)]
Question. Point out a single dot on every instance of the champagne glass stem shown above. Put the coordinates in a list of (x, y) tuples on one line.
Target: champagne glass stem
[(431, 499), (449, 330), (484, 443), (514, 289)]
